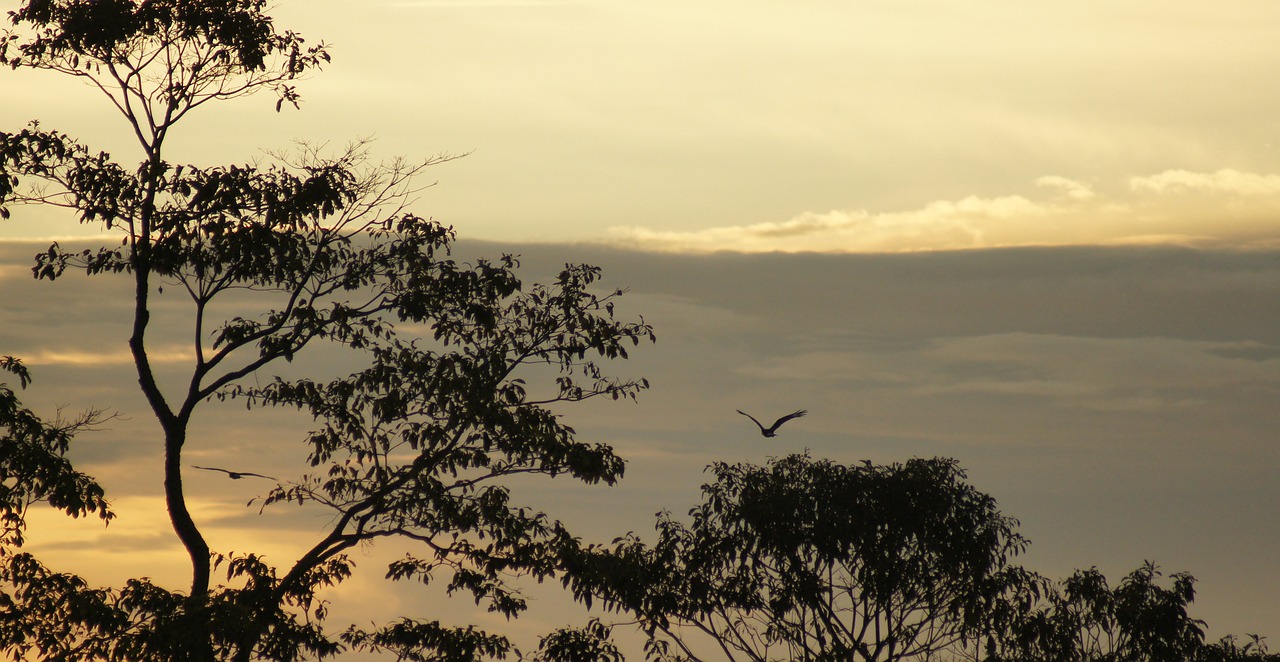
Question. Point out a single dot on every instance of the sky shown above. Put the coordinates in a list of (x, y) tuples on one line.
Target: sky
[(1041, 238)]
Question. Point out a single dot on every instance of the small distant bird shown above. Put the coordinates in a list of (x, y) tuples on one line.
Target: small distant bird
[(235, 475), (771, 431)]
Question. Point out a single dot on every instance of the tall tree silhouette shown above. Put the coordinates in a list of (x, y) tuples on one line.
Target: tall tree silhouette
[(413, 445)]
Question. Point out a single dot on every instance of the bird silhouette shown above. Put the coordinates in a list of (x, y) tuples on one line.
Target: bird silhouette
[(771, 431), (235, 475)]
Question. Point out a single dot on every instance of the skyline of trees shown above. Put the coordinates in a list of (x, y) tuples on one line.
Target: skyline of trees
[(806, 559), (463, 369)]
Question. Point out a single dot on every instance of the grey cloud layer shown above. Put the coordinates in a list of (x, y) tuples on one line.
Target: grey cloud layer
[(1120, 401)]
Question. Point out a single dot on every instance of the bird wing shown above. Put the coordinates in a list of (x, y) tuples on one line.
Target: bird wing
[(753, 418), (784, 419), (233, 474)]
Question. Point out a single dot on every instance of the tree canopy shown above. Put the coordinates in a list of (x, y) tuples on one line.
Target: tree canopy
[(811, 560), (1083, 617), (414, 445)]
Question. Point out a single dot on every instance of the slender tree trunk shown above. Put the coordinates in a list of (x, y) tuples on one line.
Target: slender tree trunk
[(180, 516), (199, 645), (173, 424), (175, 431)]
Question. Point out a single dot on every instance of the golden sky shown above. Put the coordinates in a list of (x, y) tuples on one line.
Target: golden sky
[(828, 125), (1104, 359)]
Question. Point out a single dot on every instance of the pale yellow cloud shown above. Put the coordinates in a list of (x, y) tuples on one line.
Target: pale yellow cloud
[(1070, 188), (435, 4), (138, 542), (1224, 181), (162, 354), (1067, 212), (964, 223), (13, 272)]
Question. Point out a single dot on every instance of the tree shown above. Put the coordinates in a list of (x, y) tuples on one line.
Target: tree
[(33, 464), (1084, 618), (414, 445), (590, 643), (810, 560), (1230, 649)]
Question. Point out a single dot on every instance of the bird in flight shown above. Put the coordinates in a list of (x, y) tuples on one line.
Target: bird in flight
[(235, 475), (772, 430)]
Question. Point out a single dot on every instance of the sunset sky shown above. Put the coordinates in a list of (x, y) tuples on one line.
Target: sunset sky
[(1042, 238)]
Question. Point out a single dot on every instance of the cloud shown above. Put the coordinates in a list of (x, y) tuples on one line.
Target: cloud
[(432, 4), (13, 272), (1071, 381), (1074, 372), (1067, 213), (964, 223), (1224, 181), (1070, 188), (72, 357)]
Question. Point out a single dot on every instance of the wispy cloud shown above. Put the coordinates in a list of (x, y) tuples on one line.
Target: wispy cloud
[(1070, 188), (162, 354), (1065, 212), (964, 223), (431, 4), (1224, 181), (11, 272), (1049, 371)]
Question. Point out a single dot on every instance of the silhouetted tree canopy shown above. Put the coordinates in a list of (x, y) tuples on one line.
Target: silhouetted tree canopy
[(810, 560), (1086, 618), (33, 464), (1083, 617), (1236, 649), (414, 445)]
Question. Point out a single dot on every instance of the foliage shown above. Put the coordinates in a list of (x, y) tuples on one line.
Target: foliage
[(591, 642), (463, 368), (1084, 618), (59, 617), (1230, 649), (33, 464), (414, 445), (160, 59), (811, 560)]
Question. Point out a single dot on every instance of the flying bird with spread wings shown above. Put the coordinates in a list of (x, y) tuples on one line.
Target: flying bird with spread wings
[(772, 431), (234, 475)]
